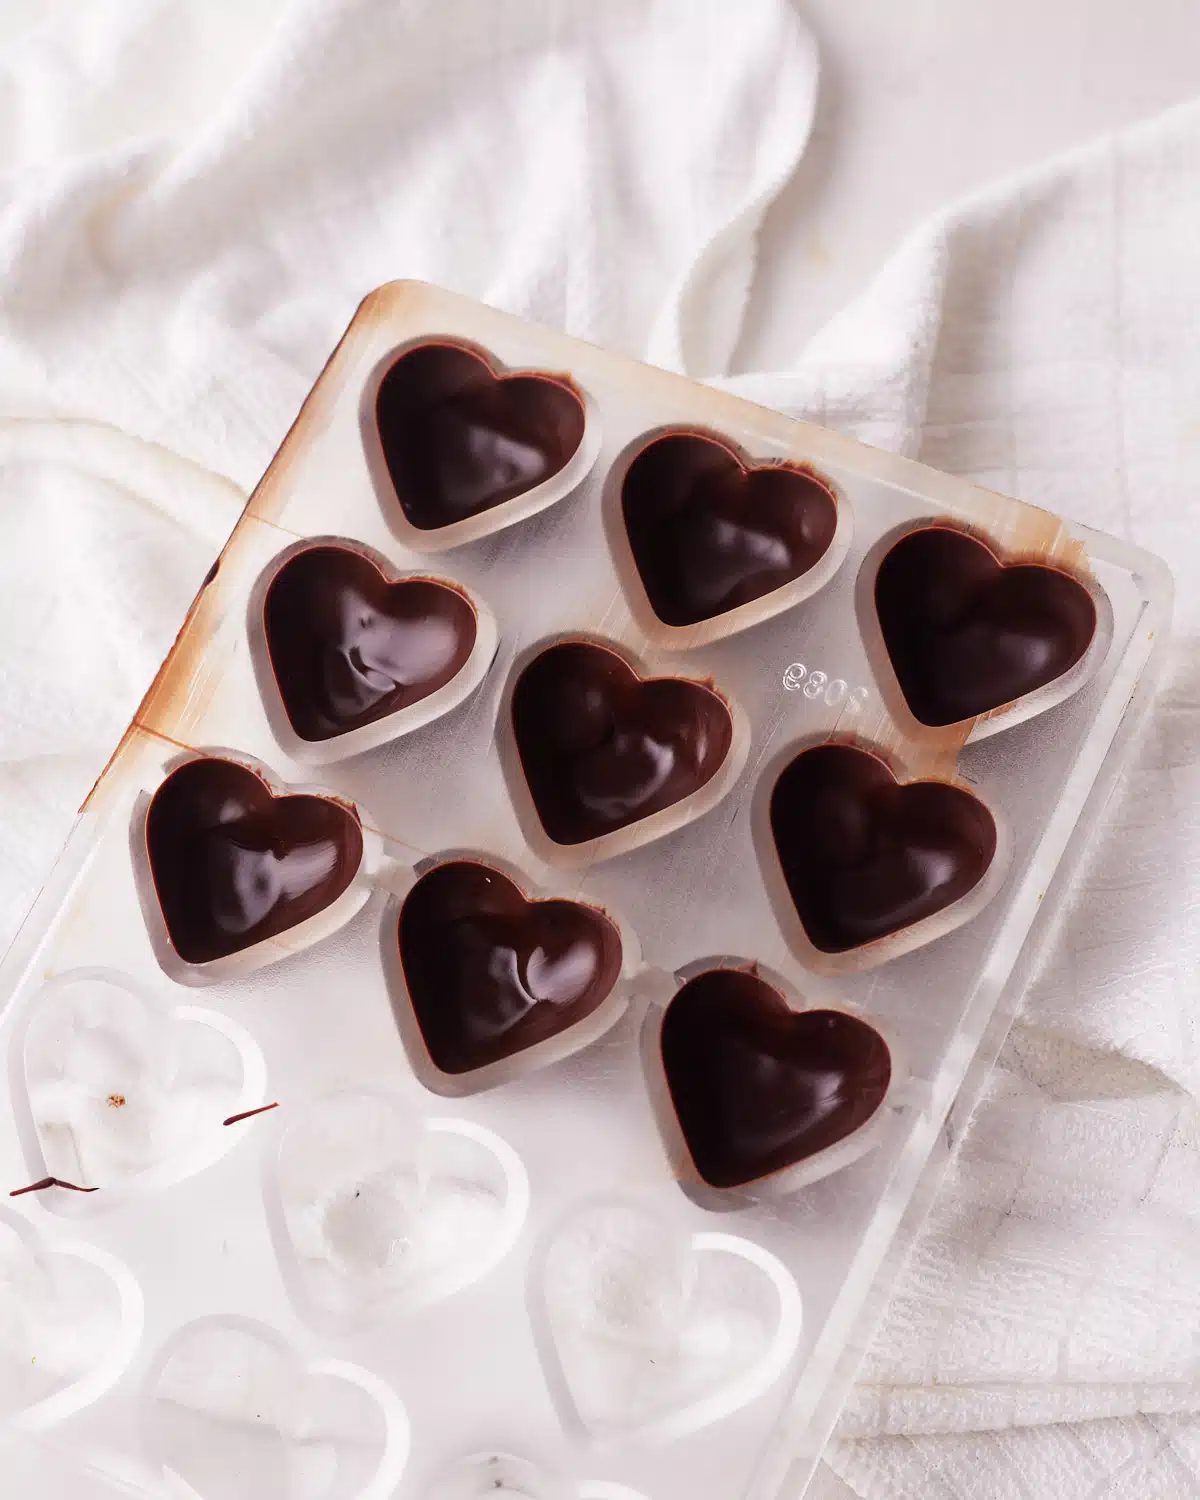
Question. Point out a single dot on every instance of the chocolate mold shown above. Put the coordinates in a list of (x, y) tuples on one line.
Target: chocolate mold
[(489, 981), (640, 1353), (72, 1318), (373, 1208), (647, 1330), (967, 639), (235, 870), (460, 446), (350, 652), (863, 863), (708, 541), (758, 1092), (602, 756), (230, 1408), (116, 1087)]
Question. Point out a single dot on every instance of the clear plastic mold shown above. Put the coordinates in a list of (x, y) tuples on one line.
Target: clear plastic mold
[(480, 1258)]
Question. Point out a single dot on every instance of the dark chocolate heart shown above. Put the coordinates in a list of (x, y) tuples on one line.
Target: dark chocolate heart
[(601, 748), (490, 973), (348, 647), (233, 864), (757, 1086), (459, 439), (708, 532), (967, 633), (864, 855)]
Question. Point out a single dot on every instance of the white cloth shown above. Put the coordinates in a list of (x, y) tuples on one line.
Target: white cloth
[(191, 204)]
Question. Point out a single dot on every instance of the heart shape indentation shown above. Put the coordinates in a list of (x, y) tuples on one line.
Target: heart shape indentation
[(232, 1412), (70, 1321), (127, 1092), (967, 633), (381, 1208), (709, 532), (602, 747), (348, 646), (460, 438), (490, 973), (646, 1328), (233, 864), (503, 1476), (864, 855), (758, 1087)]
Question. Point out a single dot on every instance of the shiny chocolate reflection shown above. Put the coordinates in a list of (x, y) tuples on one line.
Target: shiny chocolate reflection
[(491, 973), (459, 439), (233, 864)]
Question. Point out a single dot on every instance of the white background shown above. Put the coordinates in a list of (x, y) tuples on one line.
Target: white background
[(1019, 80)]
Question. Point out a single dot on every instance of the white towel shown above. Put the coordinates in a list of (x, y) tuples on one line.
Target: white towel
[(191, 204), (1044, 1340)]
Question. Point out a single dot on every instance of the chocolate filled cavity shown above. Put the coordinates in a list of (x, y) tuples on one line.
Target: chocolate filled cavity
[(490, 973), (458, 438), (233, 864), (709, 533), (348, 647), (601, 748), (864, 856), (757, 1087), (967, 633)]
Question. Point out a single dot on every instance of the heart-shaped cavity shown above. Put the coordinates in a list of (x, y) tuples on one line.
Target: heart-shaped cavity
[(460, 438), (381, 1208), (967, 633), (70, 1321), (233, 864), (646, 1328), (491, 974), (709, 532), (602, 748), (758, 1087), (502, 1476), (864, 855), (123, 1090), (349, 646), (232, 1412)]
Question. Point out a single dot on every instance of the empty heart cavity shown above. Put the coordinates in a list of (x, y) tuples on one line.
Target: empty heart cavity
[(70, 1320), (380, 1206), (233, 1412), (648, 1327), (500, 1476), (125, 1091)]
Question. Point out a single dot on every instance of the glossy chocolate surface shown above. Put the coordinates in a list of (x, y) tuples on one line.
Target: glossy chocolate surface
[(863, 855), (967, 633), (348, 648), (601, 748), (490, 973), (708, 533), (232, 864), (459, 439), (758, 1087)]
